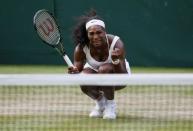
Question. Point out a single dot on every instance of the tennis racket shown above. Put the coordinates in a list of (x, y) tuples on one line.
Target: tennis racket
[(48, 30)]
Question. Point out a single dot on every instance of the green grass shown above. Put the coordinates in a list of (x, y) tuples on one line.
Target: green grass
[(174, 90), (63, 69), (83, 123), (21, 69), (79, 121), (62, 121), (161, 70)]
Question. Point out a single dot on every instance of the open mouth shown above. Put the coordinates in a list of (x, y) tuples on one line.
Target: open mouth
[(97, 43)]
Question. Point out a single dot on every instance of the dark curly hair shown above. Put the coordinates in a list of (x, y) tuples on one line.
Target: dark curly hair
[(79, 31)]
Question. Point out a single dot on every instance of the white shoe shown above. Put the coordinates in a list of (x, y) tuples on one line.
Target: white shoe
[(99, 108), (110, 110)]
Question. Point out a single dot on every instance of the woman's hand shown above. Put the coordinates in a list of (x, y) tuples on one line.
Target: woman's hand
[(116, 54), (73, 70)]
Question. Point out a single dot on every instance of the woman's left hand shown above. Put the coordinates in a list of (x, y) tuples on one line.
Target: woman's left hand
[(116, 54)]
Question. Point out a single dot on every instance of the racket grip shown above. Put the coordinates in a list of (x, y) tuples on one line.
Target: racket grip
[(68, 61)]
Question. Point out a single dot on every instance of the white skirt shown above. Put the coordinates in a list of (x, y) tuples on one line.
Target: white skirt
[(95, 69)]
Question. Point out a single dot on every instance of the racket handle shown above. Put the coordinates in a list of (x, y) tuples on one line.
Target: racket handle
[(68, 61)]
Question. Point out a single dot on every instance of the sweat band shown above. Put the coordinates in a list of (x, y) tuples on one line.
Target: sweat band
[(95, 22)]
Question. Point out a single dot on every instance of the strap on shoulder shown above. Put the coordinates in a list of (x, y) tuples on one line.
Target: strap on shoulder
[(113, 43)]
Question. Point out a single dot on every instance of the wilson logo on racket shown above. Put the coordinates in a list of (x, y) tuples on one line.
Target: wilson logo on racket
[(47, 27), (48, 31)]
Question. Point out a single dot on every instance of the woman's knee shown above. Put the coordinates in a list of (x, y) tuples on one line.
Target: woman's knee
[(106, 68), (84, 89), (119, 87), (89, 89)]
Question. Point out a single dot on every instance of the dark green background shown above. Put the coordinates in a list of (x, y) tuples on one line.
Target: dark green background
[(155, 32)]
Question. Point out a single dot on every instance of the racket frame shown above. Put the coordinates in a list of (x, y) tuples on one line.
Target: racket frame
[(59, 45)]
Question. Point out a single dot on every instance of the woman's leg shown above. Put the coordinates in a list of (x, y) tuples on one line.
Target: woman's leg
[(92, 91), (110, 106), (108, 90), (96, 94), (119, 87)]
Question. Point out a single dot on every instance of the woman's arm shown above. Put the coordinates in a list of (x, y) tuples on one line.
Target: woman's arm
[(118, 57), (79, 60), (79, 57)]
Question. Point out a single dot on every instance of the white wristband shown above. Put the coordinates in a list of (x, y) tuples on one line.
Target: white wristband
[(116, 62)]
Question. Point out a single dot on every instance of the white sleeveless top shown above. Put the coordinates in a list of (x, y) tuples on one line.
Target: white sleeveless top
[(93, 64)]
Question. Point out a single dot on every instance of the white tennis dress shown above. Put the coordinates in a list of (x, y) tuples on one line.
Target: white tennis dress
[(93, 64)]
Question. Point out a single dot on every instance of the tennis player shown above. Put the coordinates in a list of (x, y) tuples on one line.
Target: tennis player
[(98, 52)]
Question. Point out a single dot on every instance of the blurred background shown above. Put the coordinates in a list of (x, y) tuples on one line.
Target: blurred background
[(156, 33)]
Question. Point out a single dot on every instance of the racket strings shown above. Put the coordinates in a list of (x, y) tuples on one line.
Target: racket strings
[(47, 28)]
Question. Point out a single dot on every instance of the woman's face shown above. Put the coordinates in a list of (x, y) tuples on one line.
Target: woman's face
[(96, 35)]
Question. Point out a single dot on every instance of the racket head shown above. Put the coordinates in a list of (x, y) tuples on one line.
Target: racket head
[(46, 27)]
